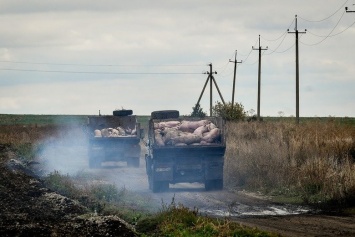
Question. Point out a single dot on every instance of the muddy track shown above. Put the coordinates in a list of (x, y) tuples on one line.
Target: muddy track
[(246, 208)]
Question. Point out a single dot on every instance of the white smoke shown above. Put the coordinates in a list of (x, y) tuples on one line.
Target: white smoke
[(66, 151)]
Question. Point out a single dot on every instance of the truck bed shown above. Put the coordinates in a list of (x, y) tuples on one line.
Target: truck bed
[(189, 151)]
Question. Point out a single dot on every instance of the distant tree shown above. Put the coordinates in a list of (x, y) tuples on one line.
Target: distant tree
[(197, 111), (229, 112)]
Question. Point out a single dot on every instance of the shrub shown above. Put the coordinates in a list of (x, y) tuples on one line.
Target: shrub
[(228, 111), (197, 111)]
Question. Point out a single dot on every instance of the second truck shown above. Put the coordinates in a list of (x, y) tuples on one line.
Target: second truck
[(114, 138)]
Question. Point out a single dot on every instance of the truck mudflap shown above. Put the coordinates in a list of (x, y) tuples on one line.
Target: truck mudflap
[(159, 177)]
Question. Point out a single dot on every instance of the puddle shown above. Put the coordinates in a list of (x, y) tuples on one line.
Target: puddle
[(240, 210)]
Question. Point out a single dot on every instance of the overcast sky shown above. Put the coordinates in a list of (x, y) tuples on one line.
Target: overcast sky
[(79, 57)]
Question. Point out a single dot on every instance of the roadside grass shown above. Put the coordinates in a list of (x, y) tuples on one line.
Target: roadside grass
[(171, 220), (177, 220), (100, 198), (312, 162)]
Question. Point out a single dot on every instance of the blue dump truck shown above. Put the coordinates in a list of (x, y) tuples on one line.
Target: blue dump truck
[(185, 150), (114, 138)]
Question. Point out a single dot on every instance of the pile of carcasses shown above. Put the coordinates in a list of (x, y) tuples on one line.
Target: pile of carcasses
[(115, 132), (182, 133)]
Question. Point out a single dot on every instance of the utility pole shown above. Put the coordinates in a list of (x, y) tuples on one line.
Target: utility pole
[(235, 69), (212, 80), (259, 76), (297, 73)]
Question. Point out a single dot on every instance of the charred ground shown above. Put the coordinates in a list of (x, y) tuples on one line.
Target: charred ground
[(29, 208)]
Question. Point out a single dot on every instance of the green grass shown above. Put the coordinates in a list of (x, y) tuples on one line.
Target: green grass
[(177, 220), (103, 199)]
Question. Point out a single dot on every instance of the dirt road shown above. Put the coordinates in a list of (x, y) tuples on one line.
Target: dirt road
[(246, 208)]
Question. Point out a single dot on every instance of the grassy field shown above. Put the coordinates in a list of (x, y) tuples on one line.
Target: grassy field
[(314, 161)]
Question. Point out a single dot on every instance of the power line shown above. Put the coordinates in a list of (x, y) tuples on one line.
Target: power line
[(93, 72), (224, 67), (327, 35), (103, 65), (340, 32), (285, 32), (257, 60), (273, 51), (278, 46), (250, 52), (327, 16)]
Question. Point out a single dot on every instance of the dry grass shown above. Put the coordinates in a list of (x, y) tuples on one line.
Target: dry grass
[(314, 160), (28, 140)]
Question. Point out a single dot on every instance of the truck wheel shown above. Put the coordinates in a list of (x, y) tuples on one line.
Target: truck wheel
[(165, 114), (94, 162), (123, 112), (159, 186), (133, 162)]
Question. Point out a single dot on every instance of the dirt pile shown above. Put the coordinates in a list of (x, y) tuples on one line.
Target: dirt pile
[(28, 208)]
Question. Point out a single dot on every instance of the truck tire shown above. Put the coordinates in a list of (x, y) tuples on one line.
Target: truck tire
[(159, 186), (165, 114), (133, 162), (123, 112)]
